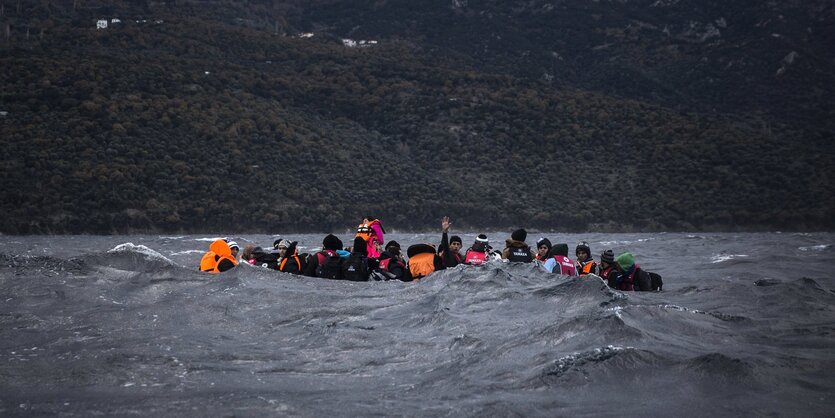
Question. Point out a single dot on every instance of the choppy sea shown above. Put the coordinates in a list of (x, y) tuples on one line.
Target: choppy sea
[(127, 326)]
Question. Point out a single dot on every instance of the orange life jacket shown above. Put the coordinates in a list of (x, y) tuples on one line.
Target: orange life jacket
[(364, 231), (586, 269), (422, 264), (284, 261), (218, 251)]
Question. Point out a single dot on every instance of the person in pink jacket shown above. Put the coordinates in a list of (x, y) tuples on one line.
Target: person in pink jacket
[(371, 230)]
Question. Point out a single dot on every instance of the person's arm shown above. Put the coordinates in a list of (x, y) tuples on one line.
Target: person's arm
[(549, 265), (439, 262), (225, 264), (378, 232), (445, 224)]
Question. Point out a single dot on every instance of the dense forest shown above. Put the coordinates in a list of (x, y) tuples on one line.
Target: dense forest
[(255, 116)]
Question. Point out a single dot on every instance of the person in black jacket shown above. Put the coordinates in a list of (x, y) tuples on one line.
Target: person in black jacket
[(357, 267), (392, 266), (289, 260), (258, 257), (330, 245), (516, 249), (448, 250)]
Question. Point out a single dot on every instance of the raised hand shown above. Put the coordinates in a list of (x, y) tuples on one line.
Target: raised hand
[(445, 223)]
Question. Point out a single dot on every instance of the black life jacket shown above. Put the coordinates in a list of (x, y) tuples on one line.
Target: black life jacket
[(293, 266), (520, 254), (267, 260)]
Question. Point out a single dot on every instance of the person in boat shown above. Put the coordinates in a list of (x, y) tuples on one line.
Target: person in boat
[(543, 246), (371, 230), (327, 263), (392, 266), (516, 249), (246, 254), (218, 259), (585, 262), (449, 248), (235, 248), (289, 260), (423, 260), (608, 271), (558, 261), (358, 266), (630, 275), (479, 252), (256, 256)]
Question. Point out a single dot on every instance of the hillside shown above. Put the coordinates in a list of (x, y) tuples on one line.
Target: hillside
[(206, 116)]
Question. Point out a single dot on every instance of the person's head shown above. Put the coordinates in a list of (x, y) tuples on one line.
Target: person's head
[(543, 246), (393, 248), (607, 258), (481, 243), (331, 242), (625, 261), (559, 249), (360, 246), (455, 243), (276, 242), (234, 247), (519, 235), (583, 252), (246, 254), (282, 248)]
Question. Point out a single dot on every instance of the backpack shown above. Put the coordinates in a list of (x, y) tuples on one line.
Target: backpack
[(656, 282), (355, 268), (643, 280), (330, 265)]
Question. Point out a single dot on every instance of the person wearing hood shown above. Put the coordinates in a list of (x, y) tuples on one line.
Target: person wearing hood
[(391, 264), (516, 250), (235, 248), (218, 259), (479, 252), (289, 260), (558, 261), (630, 276), (543, 247), (326, 263)]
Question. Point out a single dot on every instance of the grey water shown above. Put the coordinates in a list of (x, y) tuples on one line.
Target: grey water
[(126, 325)]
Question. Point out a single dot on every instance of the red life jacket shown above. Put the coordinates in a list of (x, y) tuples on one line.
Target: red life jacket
[(475, 258), (564, 266), (384, 264)]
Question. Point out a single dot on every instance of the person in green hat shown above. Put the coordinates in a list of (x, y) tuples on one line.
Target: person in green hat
[(630, 275)]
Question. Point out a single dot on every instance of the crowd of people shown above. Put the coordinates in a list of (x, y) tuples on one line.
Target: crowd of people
[(372, 258)]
